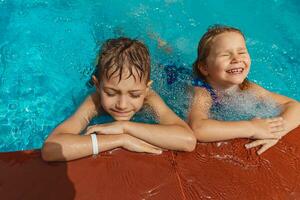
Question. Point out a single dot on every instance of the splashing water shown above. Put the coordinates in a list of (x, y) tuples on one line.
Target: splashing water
[(243, 105)]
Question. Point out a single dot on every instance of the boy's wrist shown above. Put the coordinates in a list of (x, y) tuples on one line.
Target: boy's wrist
[(122, 139), (125, 126)]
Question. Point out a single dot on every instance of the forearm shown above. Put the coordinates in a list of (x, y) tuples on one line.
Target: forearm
[(173, 137), (213, 130), (291, 115), (65, 147)]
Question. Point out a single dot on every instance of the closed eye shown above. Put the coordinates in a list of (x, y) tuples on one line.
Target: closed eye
[(224, 55), (110, 94), (135, 96)]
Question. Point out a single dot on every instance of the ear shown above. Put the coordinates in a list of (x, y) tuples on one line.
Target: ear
[(96, 82), (149, 85), (203, 69)]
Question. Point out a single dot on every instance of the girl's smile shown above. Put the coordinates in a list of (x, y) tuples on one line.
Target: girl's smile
[(228, 62)]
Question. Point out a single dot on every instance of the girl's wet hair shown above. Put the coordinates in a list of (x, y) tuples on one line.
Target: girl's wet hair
[(205, 45), (117, 55)]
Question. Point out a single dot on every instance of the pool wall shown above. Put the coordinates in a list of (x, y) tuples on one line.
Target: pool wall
[(213, 171)]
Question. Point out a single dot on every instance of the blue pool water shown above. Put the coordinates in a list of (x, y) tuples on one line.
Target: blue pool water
[(48, 50)]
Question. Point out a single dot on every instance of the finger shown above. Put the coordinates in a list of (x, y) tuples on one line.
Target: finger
[(255, 144), (151, 148), (275, 123), (154, 151), (266, 147), (99, 129), (275, 119), (87, 133), (279, 134), (150, 145), (91, 129), (271, 136), (276, 129)]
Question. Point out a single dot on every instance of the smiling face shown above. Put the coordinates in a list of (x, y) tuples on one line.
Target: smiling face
[(228, 62), (122, 98)]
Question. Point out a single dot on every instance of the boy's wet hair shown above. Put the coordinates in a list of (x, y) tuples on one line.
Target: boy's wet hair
[(120, 54), (204, 48)]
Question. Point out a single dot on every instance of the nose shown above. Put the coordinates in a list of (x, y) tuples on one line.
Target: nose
[(122, 103), (236, 57)]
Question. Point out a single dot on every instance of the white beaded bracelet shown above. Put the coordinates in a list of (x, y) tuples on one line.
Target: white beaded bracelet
[(95, 144)]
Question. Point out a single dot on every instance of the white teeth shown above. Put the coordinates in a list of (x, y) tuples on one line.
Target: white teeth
[(235, 71)]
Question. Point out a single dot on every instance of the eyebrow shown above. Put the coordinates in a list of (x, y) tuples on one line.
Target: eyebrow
[(138, 90), (228, 50)]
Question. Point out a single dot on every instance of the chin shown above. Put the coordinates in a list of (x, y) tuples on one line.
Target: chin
[(238, 80), (122, 118)]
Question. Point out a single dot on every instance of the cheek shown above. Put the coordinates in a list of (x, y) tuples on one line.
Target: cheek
[(137, 103), (218, 63), (218, 66), (249, 61), (106, 101)]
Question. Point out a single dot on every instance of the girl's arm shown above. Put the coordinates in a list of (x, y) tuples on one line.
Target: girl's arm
[(171, 132), (291, 108), (209, 130), (66, 143), (290, 115)]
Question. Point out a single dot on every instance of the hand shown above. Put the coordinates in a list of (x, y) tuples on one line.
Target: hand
[(109, 128), (134, 144), (270, 128), (266, 144)]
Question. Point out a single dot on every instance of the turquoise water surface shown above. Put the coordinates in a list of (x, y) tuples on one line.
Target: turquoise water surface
[(48, 51)]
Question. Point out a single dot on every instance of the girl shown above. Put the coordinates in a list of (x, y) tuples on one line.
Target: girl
[(221, 68), (122, 82)]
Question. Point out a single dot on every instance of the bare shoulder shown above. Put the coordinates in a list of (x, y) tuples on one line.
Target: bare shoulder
[(89, 108), (81, 118), (257, 89), (264, 93), (201, 96), (152, 96), (164, 114), (155, 101), (200, 105)]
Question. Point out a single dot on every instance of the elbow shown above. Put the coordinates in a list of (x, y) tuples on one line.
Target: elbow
[(46, 152), (50, 152), (191, 144)]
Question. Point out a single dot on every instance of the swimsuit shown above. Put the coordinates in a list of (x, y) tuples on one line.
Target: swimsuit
[(200, 83)]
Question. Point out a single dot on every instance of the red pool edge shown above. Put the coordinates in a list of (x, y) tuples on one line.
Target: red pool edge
[(213, 171)]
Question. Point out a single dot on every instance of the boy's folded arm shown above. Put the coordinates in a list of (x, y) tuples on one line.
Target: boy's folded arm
[(65, 141), (63, 146), (172, 137), (171, 132), (70, 146)]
